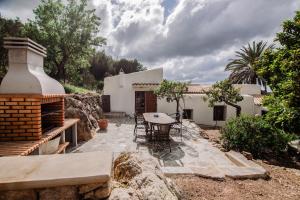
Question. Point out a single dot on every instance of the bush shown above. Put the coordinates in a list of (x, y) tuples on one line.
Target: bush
[(74, 89), (255, 135)]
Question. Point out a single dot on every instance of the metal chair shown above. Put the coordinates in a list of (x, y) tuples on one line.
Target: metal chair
[(161, 133), (139, 125)]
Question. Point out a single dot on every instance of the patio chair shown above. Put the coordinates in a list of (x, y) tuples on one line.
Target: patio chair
[(178, 124), (161, 134), (139, 125)]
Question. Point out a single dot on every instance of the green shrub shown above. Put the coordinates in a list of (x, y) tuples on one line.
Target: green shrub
[(255, 135), (74, 89)]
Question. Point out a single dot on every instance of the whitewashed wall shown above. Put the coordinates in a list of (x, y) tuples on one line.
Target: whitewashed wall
[(122, 94), (202, 113), (248, 88), (123, 97)]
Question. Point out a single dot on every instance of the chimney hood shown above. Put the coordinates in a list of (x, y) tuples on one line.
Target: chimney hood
[(25, 69)]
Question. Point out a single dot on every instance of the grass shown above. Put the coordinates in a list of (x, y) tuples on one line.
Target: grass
[(74, 89)]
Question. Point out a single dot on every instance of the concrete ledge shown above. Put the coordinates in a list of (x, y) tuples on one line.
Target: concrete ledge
[(54, 170)]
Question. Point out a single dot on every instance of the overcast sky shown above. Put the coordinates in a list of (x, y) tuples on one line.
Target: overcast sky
[(191, 39)]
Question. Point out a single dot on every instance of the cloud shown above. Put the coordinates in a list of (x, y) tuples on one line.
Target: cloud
[(188, 42), (18, 8), (190, 39)]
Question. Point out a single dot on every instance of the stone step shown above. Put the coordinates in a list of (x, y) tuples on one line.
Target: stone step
[(240, 160), (207, 172), (115, 114)]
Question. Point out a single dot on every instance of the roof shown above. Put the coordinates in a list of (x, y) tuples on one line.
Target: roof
[(192, 88)]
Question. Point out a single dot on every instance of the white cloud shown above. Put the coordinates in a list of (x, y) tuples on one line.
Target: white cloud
[(199, 36), (193, 41)]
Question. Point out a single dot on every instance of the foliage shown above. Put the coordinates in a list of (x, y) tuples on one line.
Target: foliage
[(74, 89), (103, 65), (281, 68), (255, 135), (8, 27), (172, 91), (243, 66), (69, 32), (128, 66), (223, 91)]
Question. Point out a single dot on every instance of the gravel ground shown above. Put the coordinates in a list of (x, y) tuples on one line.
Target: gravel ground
[(283, 184)]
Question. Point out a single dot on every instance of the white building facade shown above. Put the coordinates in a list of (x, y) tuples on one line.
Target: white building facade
[(133, 92)]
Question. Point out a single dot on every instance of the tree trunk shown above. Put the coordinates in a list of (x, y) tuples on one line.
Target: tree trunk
[(177, 110), (237, 107)]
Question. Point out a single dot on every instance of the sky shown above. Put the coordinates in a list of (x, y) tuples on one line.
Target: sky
[(192, 40)]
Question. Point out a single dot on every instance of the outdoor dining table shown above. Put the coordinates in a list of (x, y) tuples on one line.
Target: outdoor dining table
[(160, 119)]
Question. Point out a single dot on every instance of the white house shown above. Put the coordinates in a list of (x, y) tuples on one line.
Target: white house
[(133, 92)]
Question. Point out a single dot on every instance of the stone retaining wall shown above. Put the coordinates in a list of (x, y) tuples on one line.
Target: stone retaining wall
[(86, 107), (77, 192)]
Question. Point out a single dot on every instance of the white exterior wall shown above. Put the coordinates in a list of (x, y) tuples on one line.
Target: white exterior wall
[(122, 97), (202, 113), (122, 94), (248, 88)]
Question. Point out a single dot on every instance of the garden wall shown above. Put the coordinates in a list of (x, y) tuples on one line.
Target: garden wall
[(86, 107)]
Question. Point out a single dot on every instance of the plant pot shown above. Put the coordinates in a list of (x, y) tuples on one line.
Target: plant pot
[(103, 123)]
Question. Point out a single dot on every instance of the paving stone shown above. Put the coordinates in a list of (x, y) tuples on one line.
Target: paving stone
[(209, 172), (171, 171), (193, 154)]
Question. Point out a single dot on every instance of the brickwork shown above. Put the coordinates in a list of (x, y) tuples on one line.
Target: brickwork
[(21, 117)]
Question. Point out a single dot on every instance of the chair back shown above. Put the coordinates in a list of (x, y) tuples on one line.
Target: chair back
[(163, 131)]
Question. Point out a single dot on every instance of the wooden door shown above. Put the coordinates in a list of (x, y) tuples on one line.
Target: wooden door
[(105, 103), (139, 102), (151, 102)]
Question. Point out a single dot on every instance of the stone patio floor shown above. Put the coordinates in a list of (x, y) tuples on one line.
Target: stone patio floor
[(191, 155)]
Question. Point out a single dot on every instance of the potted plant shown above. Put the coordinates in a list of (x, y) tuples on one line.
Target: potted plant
[(102, 123)]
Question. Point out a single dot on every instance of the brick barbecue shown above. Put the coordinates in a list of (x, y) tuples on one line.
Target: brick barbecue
[(31, 102)]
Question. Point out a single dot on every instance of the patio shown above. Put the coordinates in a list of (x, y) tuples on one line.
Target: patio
[(192, 155)]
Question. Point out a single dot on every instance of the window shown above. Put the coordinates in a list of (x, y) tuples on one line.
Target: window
[(187, 114), (219, 113)]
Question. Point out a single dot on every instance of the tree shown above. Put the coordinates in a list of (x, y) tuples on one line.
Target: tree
[(8, 27), (172, 91), (223, 91), (69, 32), (101, 64), (243, 66), (128, 66), (281, 68)]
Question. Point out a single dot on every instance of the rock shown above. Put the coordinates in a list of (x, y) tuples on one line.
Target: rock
[(125, 168), (102, 193), (18, 195), (248, 155), (89, 195), (89, 187), (152, 187), (86, 107), (123, 194), (62, 193), (143, 178)]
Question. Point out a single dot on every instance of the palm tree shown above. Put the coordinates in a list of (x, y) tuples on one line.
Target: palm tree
[(243, 66)]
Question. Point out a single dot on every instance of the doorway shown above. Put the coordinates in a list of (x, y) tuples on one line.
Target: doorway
[(145, 101)]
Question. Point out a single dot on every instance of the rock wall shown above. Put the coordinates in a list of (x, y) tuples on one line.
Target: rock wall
[(93, 191), (86, 107)]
